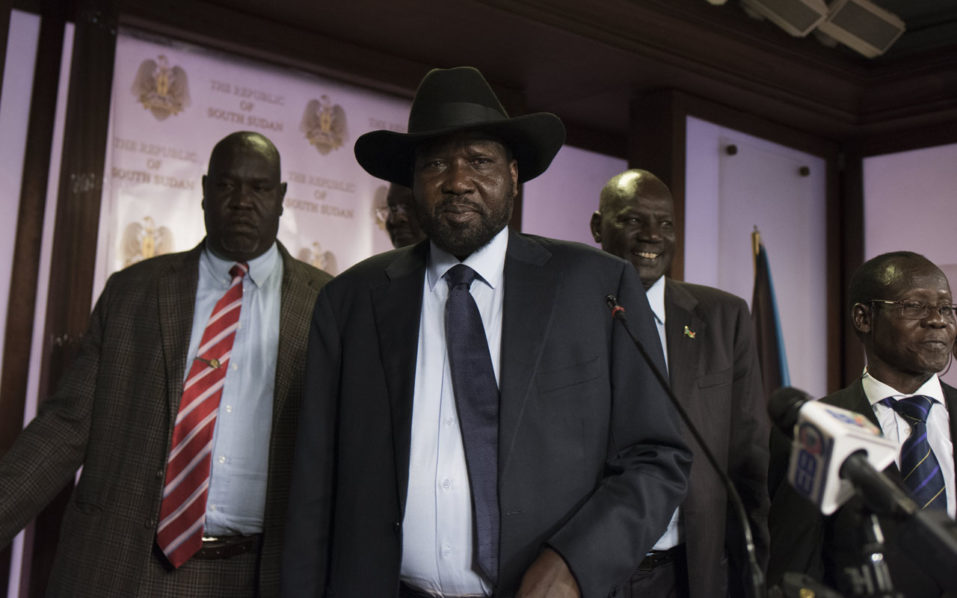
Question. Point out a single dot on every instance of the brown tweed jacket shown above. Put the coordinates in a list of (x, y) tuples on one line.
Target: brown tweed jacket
[(112, 415)]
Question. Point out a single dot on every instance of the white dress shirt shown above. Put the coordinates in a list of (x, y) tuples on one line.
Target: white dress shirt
[(656, 299), (897, 429), (240, 457), (437, 535)]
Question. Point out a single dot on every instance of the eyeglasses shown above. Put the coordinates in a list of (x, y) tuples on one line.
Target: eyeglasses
[(918, 310)]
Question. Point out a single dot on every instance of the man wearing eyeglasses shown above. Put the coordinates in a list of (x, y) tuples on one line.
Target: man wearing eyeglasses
[(902, 310)]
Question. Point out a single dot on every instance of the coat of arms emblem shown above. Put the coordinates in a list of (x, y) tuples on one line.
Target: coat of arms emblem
[(163, 90), (145, 240), (324, 260), (324, 124)]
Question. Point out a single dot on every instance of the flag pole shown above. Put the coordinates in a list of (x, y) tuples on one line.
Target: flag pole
[(755, 247)]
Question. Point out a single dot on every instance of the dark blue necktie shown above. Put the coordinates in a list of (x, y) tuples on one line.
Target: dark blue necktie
[(919, 467), (476, 400)]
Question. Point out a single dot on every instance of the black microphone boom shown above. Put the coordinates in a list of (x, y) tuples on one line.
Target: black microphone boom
[(784, 404), (757, 575)]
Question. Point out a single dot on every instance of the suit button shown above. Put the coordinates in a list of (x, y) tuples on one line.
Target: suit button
[(159, 473), (149, 524), (397, 525)]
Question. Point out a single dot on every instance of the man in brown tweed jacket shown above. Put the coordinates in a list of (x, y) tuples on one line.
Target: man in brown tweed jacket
[(114, 411)]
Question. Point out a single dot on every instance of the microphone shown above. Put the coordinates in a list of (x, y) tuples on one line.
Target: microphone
[(829, 445), (836, 453), (757, 575)]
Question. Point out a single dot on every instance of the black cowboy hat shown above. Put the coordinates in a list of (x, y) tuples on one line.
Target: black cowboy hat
[(459, 99)]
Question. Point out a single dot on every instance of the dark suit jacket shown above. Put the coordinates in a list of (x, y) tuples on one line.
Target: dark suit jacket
[(112, 414), (716, 377), (804, 541), (591, 461)]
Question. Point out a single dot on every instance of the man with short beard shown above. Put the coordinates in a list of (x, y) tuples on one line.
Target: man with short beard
[(475, 421)]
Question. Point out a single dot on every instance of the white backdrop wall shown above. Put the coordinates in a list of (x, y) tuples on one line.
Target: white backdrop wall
[(910, 203), (559, 203), (18, 69)]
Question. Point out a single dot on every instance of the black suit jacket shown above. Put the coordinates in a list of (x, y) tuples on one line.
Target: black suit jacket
[(716, 377), (804, 541), (591, 460), (113, 414)]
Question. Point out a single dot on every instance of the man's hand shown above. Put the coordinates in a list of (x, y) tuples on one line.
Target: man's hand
[(548, 577)]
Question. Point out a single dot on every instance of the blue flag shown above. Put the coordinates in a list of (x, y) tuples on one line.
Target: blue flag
[(767, 325)]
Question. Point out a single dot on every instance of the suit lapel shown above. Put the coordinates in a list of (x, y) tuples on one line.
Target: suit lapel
[(296, 298), (176, 290), (523, 331), (397, 306), (853, 398), (685, 333), (530, 288), (682, 327)]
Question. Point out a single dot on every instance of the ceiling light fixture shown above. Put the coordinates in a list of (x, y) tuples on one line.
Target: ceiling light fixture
[(797, 17), (862, 26)]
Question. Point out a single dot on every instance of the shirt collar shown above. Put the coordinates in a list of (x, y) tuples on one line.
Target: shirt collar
[(260, 268), (876, 391), (656, 299), (488, 261)]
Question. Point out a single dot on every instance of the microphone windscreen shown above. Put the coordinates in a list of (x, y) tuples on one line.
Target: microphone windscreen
[(783, 407)]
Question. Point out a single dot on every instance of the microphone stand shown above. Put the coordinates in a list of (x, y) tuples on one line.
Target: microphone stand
[(872, 578), (931, 534), (756, 575)]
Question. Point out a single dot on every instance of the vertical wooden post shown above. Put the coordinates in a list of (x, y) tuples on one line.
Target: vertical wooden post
[(846, 220), (657, 142), (75, 235), (18, 335)]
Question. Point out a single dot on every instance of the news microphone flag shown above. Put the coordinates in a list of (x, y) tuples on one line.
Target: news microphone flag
[(824, 437), (767, 325)]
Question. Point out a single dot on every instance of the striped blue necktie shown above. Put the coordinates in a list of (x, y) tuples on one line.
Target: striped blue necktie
[(919, 467)]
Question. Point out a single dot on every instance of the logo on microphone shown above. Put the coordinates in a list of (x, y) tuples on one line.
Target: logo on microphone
[(854, 419), (807, 458)]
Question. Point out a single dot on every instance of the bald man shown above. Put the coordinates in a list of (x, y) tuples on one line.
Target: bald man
[(169, 504), (707, 339)]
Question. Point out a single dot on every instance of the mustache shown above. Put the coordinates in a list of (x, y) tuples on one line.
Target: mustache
[(458, 204)]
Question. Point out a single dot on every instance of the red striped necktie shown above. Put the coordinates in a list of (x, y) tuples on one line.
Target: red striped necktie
[(183, 511)]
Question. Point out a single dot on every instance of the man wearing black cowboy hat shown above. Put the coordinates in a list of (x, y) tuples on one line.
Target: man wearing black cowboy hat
[(474, 421)]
